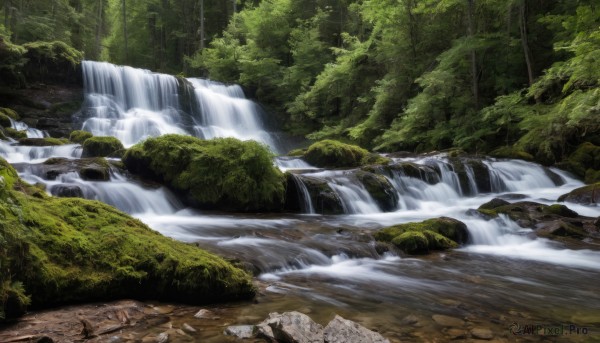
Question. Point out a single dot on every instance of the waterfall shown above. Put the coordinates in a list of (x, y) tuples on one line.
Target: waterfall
[(31, 132), (134, 104), (305, 200)]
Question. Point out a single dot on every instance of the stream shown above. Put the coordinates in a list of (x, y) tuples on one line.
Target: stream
[(322, 264)]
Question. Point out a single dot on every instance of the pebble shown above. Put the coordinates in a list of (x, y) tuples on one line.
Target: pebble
[(482, 333), (188, 328)]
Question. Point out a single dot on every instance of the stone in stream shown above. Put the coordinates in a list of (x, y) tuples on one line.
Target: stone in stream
[(162, 338), (66, 191), (240, 331), (188, 328), (205, 314), (290, 327), (482, 333), (341, 330), (443, 320)]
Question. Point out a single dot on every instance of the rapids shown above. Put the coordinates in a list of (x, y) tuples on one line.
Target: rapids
[(328, 263)]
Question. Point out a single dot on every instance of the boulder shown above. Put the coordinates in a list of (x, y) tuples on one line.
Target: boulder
[(422, 172), (380, 189), (79, 136), (586, 195), (290, 327), (333, 154), (240, 331), (341, 330), (92, 169), (49, 141), (102, 147), (66, 191), (584, 162), (432, 234)]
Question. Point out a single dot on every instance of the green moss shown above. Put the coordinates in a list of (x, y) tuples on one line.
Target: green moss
[(48, 141), (334, 154), (584, 162), (54, 51), (9, 113), (102, 147), (12, 133), (494, 203), (560, 210), (65, 250), (226, 173), (511, 152), (589, 194), (79, 136), (296, 152), (372, 158), (432, 234)]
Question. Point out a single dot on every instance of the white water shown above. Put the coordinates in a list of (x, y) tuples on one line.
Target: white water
[(330, 258)]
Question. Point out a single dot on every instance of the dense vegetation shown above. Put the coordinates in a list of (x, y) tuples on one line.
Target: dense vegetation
[(412, 75), (56, 250)]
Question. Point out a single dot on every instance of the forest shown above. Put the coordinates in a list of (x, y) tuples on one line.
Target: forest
[(419, 75)]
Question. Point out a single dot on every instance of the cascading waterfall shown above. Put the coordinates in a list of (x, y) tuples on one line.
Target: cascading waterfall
[(133, 104)]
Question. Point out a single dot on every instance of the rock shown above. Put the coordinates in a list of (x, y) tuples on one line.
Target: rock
[(492, 204), (456, 333), (333, 154), (482, 333), (102, 147), (205, 314), (44, 339), (324, 199), (188, 328), (410, 319), (422, 172), (79, 136), (292, 327), (66, 191), (92, 169), (162, 338), (380, 189), (443, 320), (560, 210), (49, 141), (88, 328), (341, 330), (432, 234), (586, 195), (584, 162), (240, 331)]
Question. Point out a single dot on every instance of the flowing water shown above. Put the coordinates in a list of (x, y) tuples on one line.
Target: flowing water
[(325, 264)]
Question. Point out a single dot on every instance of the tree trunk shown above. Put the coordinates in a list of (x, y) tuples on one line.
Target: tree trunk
[(125, 31), (234, 6), (6, 13), (524, 40), (202, 28), (99, 22), (474, 73)]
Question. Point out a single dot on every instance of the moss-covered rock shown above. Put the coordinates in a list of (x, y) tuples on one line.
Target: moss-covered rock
[(584, 162), (10, 113), (47, 141), (512, 152), (5, 120), (560, 210), (223, 173), (586, 195), (422, 237), (79, 136), (15, 134), (333, 154), (93, 169), (102, 147), (380, 189), (494, 203), (296, 152), (62, 250)]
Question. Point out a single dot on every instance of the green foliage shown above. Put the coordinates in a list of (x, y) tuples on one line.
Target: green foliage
[(12, 133), (54, 251), (334, 154), (432, 234), (226, 173), (9, 113), (79, 136), (102, 147), (56, 52)]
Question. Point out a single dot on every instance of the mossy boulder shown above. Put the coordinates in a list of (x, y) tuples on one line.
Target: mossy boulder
[(63, 250), (224, 173), (296, 152), (79, 136), (323, 198), (102, 147), (422, 237), (15, 134), (586, 195), (93, 169), (47, 141), (494, 203), (422, 172), (5, 120), (584, 162), (333, 154), (512, 152), (560, 210), (10, 113), (380, 189)]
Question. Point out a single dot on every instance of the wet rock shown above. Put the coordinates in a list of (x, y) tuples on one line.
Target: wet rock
[(92, 169), (586, 195), (102, 147), (341, 330), (188, 328), (324, 199), (66, 191), (205, 314), (494, 203), (88, 330), (456, 333), (482, 333), (380, 189), (560, 210), (443, 320), (162, 338), (291, 327), (422, 172), (411, 319), (240, 331), (44, 339)]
